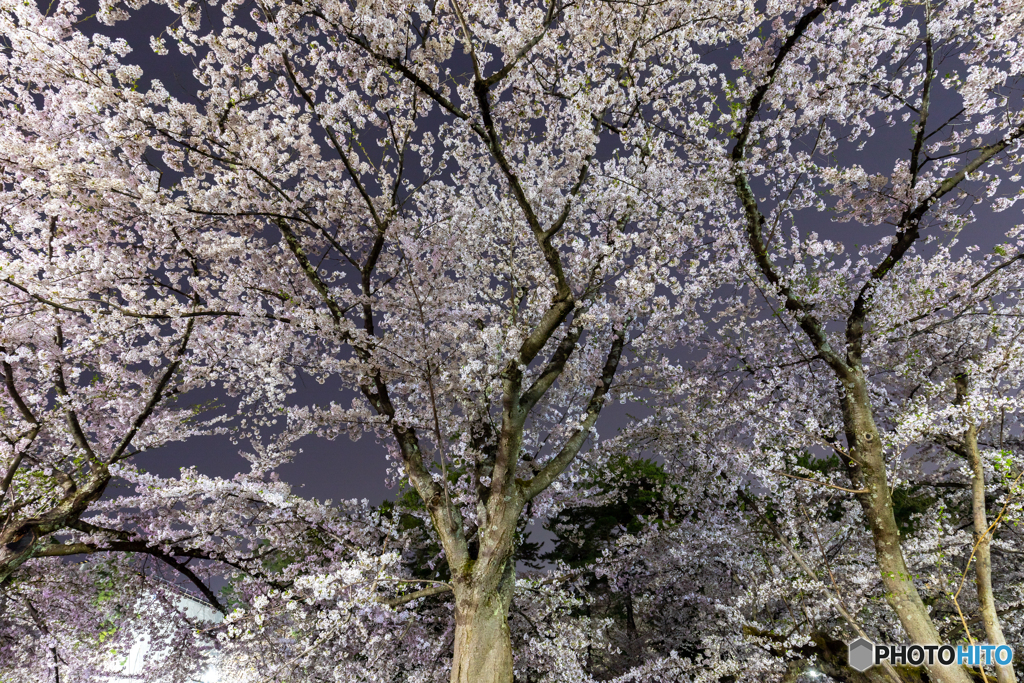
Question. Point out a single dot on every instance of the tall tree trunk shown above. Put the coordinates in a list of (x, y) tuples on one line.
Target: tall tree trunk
[(483, 644), (632, 639), (982, 554), (868, 472)]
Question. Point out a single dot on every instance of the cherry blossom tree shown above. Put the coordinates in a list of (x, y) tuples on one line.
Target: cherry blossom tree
[(487, 222), (476, 279), (823, 316), (96, 341), (107, 331), (946, 395)]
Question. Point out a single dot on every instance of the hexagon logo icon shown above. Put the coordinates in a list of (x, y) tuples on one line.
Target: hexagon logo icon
[(861, 654)]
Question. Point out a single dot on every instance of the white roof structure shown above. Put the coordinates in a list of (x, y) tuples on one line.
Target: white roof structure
[(141, 652)]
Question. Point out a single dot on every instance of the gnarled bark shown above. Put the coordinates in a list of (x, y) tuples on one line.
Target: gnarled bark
[(483, 645)]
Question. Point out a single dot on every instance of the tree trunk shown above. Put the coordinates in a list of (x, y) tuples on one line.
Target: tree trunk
[(632, 639), (868, 472), (483, 644), (982, 555)]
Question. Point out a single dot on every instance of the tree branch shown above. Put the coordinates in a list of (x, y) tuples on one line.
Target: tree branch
[(557, 465), (756, 220), (26, 414), (66, 549), (155, 398)]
